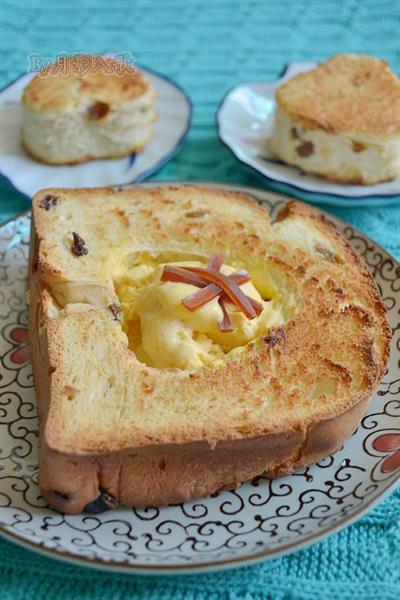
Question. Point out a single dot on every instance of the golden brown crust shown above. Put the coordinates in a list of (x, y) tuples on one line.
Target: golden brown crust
[(328, 289), (346, 94), (317, 372), (82, 78), (169, 474), (147, 210)]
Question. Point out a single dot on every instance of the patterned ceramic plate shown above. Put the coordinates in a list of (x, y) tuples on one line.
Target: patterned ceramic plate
[(27, 175), (264, 518), (245, 122)]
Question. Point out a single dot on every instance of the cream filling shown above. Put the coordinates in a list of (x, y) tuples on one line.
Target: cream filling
[(164, 333)]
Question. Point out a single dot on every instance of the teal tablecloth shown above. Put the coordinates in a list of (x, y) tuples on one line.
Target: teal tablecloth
[(208, 47)]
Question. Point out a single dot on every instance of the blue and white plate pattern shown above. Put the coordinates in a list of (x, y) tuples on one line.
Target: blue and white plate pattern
[(245, 121)]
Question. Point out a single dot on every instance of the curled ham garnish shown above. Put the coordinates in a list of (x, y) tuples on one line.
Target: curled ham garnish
[(226, 324), (182, 275), (216, 261), (231, 289), (215, 284), (212, 290)]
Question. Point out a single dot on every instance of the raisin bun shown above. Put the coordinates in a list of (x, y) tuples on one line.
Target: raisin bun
[(87, 107), (341, 120)]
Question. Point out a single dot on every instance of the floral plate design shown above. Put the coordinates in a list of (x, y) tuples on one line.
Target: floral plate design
[(263, 518)]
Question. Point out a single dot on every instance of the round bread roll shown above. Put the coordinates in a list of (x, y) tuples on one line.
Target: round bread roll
[(341, 120), (87, 107)]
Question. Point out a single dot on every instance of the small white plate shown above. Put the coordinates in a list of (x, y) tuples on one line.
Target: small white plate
[(27, 175), (262, 519), (245, 121)]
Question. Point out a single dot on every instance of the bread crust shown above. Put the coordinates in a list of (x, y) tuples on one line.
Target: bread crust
[(170, 474), (78, 79), (349, 93), (137, 468)]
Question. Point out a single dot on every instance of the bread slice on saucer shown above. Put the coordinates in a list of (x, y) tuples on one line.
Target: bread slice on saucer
[(341, 120), (87, 107), (143, 401)]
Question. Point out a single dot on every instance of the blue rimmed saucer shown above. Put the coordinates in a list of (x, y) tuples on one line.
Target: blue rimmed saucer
[(27, 175)]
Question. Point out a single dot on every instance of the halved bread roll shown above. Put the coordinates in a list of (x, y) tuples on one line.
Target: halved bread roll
[(87, 107), (341, 120), (123, 425)]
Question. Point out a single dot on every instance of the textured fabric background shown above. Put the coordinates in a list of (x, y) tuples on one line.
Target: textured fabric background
[(208, 47)]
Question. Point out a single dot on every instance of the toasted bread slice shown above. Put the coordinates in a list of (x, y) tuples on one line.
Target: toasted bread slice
[(87, 107), (341, 120), (115, 430)]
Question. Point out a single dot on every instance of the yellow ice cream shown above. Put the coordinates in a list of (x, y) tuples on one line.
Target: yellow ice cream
[(164, 333)]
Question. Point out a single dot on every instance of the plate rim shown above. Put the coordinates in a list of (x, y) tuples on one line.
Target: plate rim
[(234, 562), (296, 188), (111, 566), (147, 172)]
